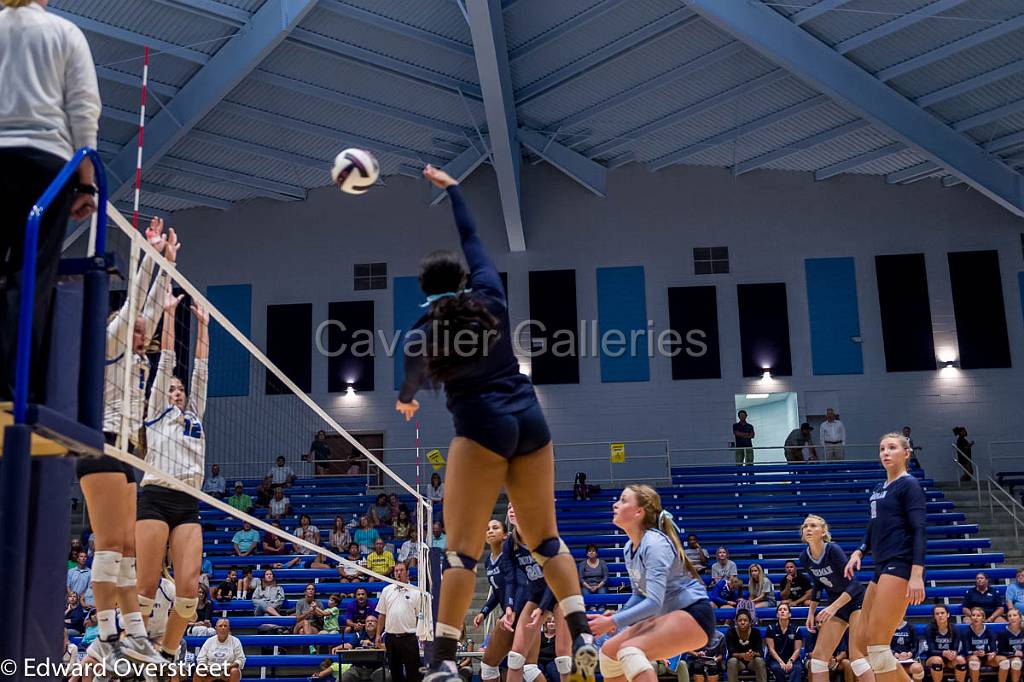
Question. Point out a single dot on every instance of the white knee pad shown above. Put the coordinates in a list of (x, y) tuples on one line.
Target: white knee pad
[(126, 574), (610, 667), (106, 567), (186, 607), (489, 672), (516, 660), (881, 659), (974, 664), (861, 666), (818, 666), (146, 606), (563, 664), (1004, 665), (1015, 664), (531, 671), (634, 661)]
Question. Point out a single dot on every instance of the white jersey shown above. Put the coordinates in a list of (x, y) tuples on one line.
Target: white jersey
[(175, 439), (119, 351)]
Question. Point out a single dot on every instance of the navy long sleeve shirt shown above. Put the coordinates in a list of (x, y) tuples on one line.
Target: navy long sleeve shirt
[(896, 531), (827, 573)]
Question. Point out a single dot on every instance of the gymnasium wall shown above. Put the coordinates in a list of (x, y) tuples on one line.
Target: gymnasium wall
[(304, 252)]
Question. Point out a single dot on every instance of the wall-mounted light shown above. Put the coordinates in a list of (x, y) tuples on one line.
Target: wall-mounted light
[(757, 396), (767, 375), (944, 364), (351, 390)]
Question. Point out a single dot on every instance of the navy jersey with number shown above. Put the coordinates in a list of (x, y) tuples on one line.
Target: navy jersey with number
[(529, 584), (936, 642), (1009, 642), (904, 640), (896, 531), (498, 570), (827, 573), (978, 641)]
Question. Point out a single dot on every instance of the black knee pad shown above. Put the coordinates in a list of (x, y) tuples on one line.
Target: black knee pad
[(962, 667), (456, 560), (937, 667), (549, 549)]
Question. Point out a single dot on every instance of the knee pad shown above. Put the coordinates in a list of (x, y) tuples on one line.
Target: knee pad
[(634, 661), (938, 667), (443, 630), (974, 664), (1016, 664), (146, 606), (531, 671), (186, 607), (881, 659), (1004, 665), (960, 666), (548, 549), (126, 573), (564, 664), (106, 567), (489, 672), (818, 666), (456, 560), (859, 666), (516, 660), (610, 667)]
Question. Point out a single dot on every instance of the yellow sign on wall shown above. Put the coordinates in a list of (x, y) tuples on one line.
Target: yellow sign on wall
[(436, 459), (618, 452)]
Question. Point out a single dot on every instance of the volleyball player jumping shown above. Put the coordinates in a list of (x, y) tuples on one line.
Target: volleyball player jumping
[(502, 437), (669, 612), (896, 539)]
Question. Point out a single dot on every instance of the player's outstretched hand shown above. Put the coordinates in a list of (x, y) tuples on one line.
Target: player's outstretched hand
[(407, 409), (155, 234), (201, 313), (438, 178), (600, 625)]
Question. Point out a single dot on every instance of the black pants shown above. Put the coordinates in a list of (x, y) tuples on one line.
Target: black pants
[(403, 657), (25, 174)]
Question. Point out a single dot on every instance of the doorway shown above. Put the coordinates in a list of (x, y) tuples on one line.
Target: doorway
[(345, 459), (773, 416)]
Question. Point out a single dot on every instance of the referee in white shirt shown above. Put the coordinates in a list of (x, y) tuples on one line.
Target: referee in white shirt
[(833, 436), (398, 609), (50, 107)]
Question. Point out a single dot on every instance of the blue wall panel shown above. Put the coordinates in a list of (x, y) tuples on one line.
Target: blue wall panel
[(834, 317), (622, 307), (407, 299), (230, 362)]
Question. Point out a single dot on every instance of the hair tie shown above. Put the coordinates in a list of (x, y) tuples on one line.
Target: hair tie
[(666, 515), (448, 294)]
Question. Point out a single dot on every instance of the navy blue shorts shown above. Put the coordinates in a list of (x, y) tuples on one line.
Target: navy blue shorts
[(897, 567), (505, 434), (853, 605), (703, 612)]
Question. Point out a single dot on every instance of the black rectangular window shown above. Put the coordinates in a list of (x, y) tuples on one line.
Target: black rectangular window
[(764, 329), (693, 315), (554, 336), (711, 260), (979, 309), (290, 345), (370, 276), (349, 346), (906, 312)]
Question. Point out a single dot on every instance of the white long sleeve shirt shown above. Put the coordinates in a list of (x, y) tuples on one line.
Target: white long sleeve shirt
[(833, 432), (175, 439), (50, 101), (216, 652)]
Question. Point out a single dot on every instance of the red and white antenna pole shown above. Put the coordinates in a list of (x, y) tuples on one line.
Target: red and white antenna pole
[(417, 455), (142, 129)]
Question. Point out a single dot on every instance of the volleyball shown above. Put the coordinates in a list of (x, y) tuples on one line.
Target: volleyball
[(355, 171)]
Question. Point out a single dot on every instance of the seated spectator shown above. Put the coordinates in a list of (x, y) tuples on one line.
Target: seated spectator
[(746, 649), (339, 538), (546, 653), (707, 663), (272, 542), (246, 540), (268, 597), (942, 646), (220, 653), (80, 577), (697, 555), (205, 571), (438, 540), (204, 613), (396, 506), (580, 489), (368, 671), (724, 567), (727, 592), (281, 474), (227, 590), (435, 491), (306, 620), (76, 547), (402, 525), (240, 500), (347, 573), (795, 586), (359, 612), (380, 513), (979, 644), (761, 589), (74, 616), (247, 584), (329, 615), (319, 562), (1015, 592), (905, 647), (593, 572), (365, 536), (264, 492), (380, 560), (984, 597), (307, 532), (784, 645), (279, 506), (92, 628), (408, 553), (320, 454), (215, 484)]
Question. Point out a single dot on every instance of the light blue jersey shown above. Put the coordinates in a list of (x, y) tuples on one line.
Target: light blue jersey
[(661, 583)]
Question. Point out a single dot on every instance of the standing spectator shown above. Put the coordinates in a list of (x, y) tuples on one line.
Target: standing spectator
[(348, 574), (79, 577), (906, 434), (74, 616), (435, 491), (439, 539), (398, 611), (833, 436), (784, 645), (279, 506), (799, 445), (697, 555), (247, 584), (580, 489), (306, 620), (240, 500), (365, 536), (707, 663), (963, 455), (408, 553), (982, 596), (281, 474), (221, 652), (402, 525), (743, 433), (762, 591), (724, 567), (1015, 592), (913, 463), (308, 532), (380, 513), (358, 612), (320, 454), (380, 560), (227, 590), (795, 588), (268, 597), (215, 484), (593, 573), (264, 492), (746, 649), (52, 107), (246, 540), (339, 538), (272, 542)]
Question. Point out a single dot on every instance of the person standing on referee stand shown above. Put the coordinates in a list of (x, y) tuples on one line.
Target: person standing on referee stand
[(398, 610), (51, 107), (833, 436)]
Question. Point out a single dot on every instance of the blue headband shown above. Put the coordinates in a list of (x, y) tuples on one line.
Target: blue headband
[(447, 294)]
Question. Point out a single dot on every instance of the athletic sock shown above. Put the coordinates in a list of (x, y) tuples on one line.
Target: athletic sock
[(107, 621), (445, 649), (133, 624), (579, 626)]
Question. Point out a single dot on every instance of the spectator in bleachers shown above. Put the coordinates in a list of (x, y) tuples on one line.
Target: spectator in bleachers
[(905, 647), (348, 574), (401, 525), (724, 567), (308, 532), (204, 613), (1011, 647), (224, 651), (240, 500), (358, 612), (799, 445), (980, 646), (833, 436), (580, 489), (92, 628), (366, 535), (246, 540), (727, 591), (795, 587), (76, 547), (281, 474), (80, 577), (268, 597), (280, 506), (761, 589), (408, 553), (306, 620), (784, 645), (370, 671), (330, 615), (746, 649), (743, 433), (247, 584), (546, 652), (214, 484), (963, 455), (340, 538), (912, 463), (74, 616), (396, 506), (227, 590), (984, 597), (264, 492), (438, 539), (708, 663), (435, 491), (380, 513), (319, 454), (272, 542), (942, 649), (319, 561), (1015, 592), (380, 560), (70, 650), (593, 573), (697, 555), (205, 571)]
